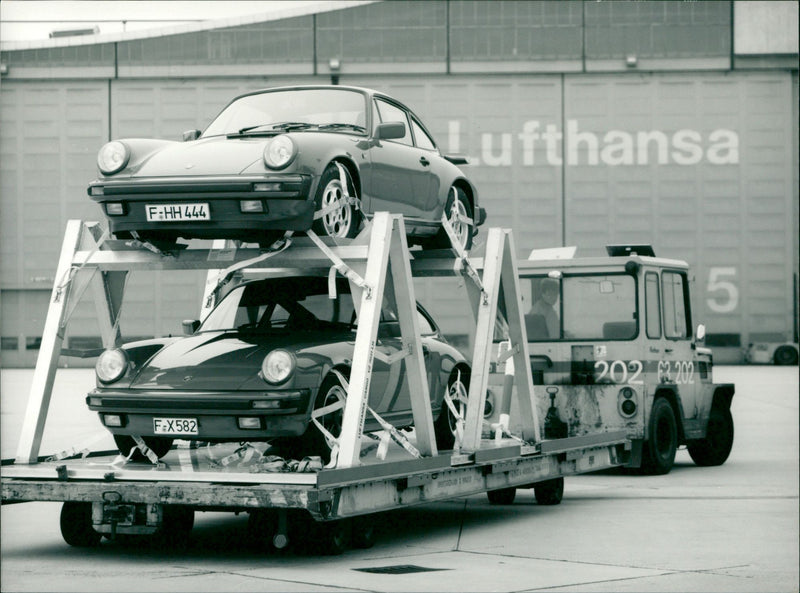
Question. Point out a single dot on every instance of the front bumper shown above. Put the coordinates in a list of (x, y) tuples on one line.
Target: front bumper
[(278, 412), (287, 204)]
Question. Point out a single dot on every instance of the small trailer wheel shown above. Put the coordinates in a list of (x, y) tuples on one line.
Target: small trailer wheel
[(549, 492), (364, 532), (76, 525), (176, 526), (502, 496)]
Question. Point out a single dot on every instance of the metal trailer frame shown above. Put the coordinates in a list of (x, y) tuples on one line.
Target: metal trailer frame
[(378, 260)]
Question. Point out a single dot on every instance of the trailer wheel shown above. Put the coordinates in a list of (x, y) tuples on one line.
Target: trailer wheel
[(459, 214), (502, 496), (159, 445), (549, 492), (364, 532), (785, 356), (716, 446), (176, 527), (658, 455), (329, 538), (446, 426), (344, 221), (76, 525), (262, 525)]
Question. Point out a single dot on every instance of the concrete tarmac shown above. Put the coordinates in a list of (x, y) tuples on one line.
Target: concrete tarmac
[(730, 528)]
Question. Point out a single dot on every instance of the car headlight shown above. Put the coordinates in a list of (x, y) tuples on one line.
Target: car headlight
[(278, 366), (279, 152), (111, 365), (113, 157)]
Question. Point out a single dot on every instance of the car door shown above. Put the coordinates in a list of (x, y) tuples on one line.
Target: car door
[(677, 366), (401, 178)]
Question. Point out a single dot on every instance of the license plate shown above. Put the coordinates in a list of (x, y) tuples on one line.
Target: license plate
[(175, 425), (179, 212)]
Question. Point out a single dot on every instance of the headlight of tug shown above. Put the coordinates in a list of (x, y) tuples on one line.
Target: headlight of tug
[(278, 366), (111, 365), (626, 402)]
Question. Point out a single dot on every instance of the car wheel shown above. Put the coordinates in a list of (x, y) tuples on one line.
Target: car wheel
[(785, 356), (718, 442), (459, 214), (159, 445), (445, 427), (329, 412), (342, 222), (659, 450)]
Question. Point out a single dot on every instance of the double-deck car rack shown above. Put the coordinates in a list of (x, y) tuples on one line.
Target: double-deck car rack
[(101, 494)]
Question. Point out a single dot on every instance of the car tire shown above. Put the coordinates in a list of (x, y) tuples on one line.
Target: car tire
[(344, 222), (658, 455), (458, 210), (313, 442), (76, 525), (445, 426), (159, 445), (785, 356), (718, 442)]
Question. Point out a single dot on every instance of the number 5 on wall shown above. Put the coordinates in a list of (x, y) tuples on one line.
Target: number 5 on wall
[(727, 302)]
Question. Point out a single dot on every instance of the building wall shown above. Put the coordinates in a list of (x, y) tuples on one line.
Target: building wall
[(586, 124)]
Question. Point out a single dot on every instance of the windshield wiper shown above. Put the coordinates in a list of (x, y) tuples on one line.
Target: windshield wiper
[(355, 127), (284, 126)]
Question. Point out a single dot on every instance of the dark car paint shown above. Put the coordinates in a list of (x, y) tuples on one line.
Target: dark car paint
[(416, 190), (195, 375)]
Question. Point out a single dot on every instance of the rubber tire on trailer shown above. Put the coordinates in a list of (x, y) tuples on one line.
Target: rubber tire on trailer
[(364, 532), (549, 492), (176, 527), (785, 356), (327, 538), (502, 496), (658, 454), (716, 446), (344, 223), (159, 445), (262, 525), (444, 428), (76, 525), (457, 205)]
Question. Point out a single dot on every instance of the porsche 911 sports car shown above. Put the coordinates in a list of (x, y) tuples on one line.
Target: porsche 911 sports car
[(268, 355), (289, 158)]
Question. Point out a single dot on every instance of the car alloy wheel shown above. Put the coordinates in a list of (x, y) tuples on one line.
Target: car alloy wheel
[(342, 221)]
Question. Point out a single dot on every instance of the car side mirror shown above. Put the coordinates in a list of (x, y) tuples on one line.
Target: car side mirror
[(190, 326), (390, 130), (700, 334), (189, 135)]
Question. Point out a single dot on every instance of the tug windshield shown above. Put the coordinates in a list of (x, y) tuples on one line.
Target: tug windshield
[(580, 307)]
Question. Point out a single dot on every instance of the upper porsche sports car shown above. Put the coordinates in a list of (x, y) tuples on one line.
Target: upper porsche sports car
[(290, 158), (270, 355)]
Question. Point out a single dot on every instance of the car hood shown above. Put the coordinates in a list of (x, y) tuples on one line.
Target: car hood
[(223, 361), (217, 155)]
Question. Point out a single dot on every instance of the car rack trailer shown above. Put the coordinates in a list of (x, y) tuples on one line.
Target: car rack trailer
[(110, 495)]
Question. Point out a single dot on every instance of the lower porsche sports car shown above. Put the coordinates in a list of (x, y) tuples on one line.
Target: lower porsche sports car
[(267, 356), (289, 158)]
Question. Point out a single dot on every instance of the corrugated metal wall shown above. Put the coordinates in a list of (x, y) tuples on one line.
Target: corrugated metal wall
[(704, 166)]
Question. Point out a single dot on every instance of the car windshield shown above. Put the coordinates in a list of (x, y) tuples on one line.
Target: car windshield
[(580, 307), (294, 109), (283, 304)]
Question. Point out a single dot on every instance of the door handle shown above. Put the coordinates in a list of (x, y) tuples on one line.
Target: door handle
[(425, 162)]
